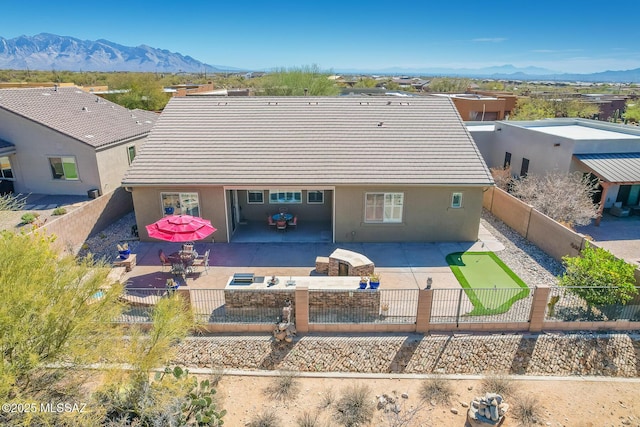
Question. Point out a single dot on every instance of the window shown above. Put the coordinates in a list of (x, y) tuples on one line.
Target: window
[(383, 207), (63, 168), (180, 204), (131, 153), (315, 197), (280, 196), (525, 167), (255, 196), (5, 168), (507, 159), (456, 200)]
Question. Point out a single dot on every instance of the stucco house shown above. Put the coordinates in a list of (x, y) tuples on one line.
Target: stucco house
[(62, 140), (366, 169), (609, 151)]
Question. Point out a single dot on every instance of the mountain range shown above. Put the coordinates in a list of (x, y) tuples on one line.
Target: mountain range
[(49, 51)]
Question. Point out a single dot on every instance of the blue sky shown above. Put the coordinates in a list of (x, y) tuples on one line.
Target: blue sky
[(564, 36)]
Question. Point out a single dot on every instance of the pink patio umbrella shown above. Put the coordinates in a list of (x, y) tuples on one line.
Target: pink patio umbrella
[(180, 228)]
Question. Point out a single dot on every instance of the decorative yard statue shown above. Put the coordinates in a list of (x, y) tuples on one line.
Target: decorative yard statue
[(285, 328)]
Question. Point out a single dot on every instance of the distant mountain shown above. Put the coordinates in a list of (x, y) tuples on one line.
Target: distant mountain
[(49, 51), (508, 72)]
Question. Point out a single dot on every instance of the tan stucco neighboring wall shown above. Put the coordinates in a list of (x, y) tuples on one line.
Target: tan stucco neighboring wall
[(34, 145), (113, 162), (545, 152), (148, 207), (427, 215)]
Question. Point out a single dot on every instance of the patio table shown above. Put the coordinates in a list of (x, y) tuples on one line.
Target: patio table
[(286, 216)]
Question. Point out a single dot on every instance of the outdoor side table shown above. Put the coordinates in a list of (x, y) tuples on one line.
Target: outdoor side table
[(128, 263)]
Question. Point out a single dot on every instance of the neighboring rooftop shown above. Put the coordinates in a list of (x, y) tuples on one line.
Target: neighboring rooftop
[(578, 132), (78, 114), (614, 167), (268, 141)]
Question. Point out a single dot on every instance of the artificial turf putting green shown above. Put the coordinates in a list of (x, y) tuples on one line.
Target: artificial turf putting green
[(489, 284)]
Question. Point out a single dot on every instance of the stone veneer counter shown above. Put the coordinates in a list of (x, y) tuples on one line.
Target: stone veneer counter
[(337, 293)]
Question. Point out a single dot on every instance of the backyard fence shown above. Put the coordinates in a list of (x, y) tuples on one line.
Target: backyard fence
[(481, 305), (542, 308), (565, 305)]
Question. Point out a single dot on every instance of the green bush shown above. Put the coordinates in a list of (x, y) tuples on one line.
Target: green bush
[(59, 211), (29, 217), (599, 277)]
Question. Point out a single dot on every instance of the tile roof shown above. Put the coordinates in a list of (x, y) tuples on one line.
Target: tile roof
[(80, 115), (309, 141), (614, 167)]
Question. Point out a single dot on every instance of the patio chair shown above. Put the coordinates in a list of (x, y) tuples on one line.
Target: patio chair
[(271, 222), (164, 260), (281, 225), (293, 222), (202, 261)]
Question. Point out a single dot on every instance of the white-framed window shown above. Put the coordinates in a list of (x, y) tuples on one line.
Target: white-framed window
[(456, 200), (5, 168), (180, 204), (64, 168), (131, 153), (315, 197), (255, 197), (383, 207), (281, 196)]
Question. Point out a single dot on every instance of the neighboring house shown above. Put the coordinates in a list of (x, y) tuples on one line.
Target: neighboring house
[(374, 169), (475, 107), (609, 151), (66, 141)]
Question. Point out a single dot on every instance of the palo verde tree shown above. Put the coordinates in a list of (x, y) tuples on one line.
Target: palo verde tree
[(599, 278), (632, 111), (56, 317), (535, 108), (297, 82), (564, 197)]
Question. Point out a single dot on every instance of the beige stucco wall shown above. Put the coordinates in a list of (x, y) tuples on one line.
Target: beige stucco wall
[(148, 207), (34, 145), (427, 215), (512, 211), (113, 162), (540, 148)]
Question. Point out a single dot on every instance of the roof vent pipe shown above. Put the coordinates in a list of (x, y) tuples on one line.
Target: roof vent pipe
[(306, 91)]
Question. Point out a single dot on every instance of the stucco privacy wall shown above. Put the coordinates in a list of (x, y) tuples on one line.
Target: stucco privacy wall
[(72, 229), (552, 237)]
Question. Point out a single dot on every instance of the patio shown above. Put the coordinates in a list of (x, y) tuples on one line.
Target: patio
[(401, 265)]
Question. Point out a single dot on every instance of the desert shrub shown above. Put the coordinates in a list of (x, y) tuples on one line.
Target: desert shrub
[(498, 383), (59, 211), (283, 387), (436, 389), (327, 398), (265, 419), (354, 407), (527, 410), (307, 419), (29, 217)]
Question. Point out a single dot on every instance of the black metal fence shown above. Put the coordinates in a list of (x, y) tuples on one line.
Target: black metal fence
[(391, 306), (565, 304), (211, 306), (139, 304), (481, 305)]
